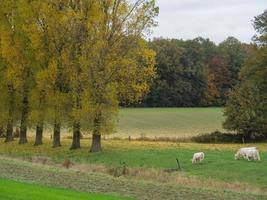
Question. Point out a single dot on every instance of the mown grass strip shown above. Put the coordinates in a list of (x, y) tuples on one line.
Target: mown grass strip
[(12, 190)]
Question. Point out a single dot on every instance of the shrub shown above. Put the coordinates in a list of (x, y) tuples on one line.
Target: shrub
[(219, 137)]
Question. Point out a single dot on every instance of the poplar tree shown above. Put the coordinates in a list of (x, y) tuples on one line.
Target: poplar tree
[(38, 35), (19, 61), (55, 18), (79, 15), (116, 60)]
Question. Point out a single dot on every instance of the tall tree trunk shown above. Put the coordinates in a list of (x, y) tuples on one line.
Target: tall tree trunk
[(96, 139), (76, 125), (96, 143), (9, 132), (17, 132), (24, 119), (1, 131), (56, 136), (39, 135), (11, 104), (76, 136), (40, 124)]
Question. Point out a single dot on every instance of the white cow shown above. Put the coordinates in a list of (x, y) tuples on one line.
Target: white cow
[(241, 153), (253, 154), (249, 153), (198, 157)]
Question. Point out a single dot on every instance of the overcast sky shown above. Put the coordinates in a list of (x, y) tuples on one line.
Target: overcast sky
[(214, 19)]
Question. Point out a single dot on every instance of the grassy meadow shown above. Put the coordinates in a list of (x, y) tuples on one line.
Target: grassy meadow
[(139, 169), (161, 123), (93, 181), (219, 163), (168, 122)]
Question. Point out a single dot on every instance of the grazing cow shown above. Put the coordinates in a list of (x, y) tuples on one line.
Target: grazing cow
[(249, 153), (253, 154), (198, 157), (241, 153)]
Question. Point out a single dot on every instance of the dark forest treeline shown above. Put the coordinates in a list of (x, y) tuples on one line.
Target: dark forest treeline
[(195, 72)]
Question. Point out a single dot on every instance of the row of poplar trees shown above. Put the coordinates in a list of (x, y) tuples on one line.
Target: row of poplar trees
[(68, 63)]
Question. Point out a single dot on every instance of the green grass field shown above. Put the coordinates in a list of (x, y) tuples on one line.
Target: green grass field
[(12, 190), (168, 122), (55, 177), (218, 165), (219, 161), (218, 177)]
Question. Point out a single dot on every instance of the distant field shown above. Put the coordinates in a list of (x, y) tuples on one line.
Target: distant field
[(12, 190), (168, 122), (160, 122)]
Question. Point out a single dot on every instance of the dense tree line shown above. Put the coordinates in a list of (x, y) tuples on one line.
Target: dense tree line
[(70, 63), (195, 72)]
